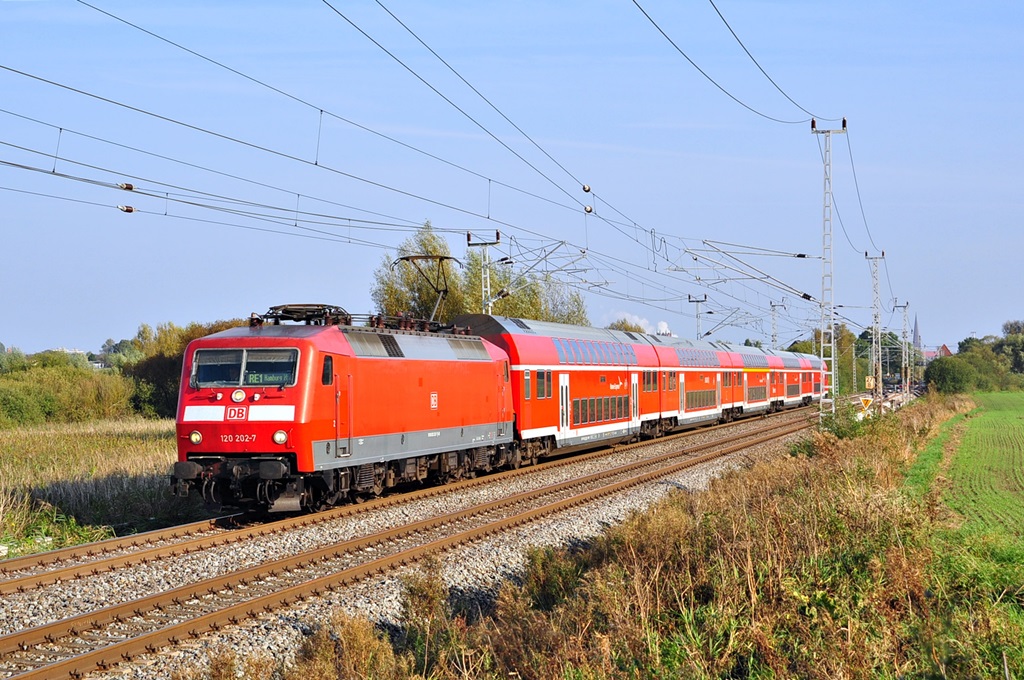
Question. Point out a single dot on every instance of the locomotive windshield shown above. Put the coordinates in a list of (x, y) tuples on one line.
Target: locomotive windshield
[(244, 367)]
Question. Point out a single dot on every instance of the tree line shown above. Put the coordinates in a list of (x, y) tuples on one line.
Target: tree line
[(992, 363), (140, 375)]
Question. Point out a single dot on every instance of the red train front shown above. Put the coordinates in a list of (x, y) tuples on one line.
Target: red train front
[(292, 416)]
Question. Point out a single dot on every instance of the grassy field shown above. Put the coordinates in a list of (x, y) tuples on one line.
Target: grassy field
[(73, 483), (977, 491), (987, 473)]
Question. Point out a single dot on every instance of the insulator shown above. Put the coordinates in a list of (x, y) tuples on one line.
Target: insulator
[(126, 208), (586, 188), (588, 209), (126, 186)]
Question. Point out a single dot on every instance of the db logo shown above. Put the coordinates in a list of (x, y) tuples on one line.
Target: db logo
[(236, 412)]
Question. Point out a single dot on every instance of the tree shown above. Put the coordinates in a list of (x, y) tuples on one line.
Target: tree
[(13, 360), (950, 375), (1013, 328), (157, 374), (846, 343), (1011, 348), (401, 288), (624, 324), (561, 304), (409, 287), (966, 344), (752, 343)]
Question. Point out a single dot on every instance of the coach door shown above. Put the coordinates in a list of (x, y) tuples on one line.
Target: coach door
[(634, 403), (564, 408)]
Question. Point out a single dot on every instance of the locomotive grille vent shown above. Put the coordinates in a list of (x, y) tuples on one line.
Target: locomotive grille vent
[(391, 346), (366, 344), (468, 349), (371, 344), (521, 324)]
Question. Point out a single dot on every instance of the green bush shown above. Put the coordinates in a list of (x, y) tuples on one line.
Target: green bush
[(951, 375), (62, 393), (18, 405)]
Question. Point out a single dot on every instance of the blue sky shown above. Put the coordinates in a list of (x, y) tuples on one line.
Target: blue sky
[(283, 155)]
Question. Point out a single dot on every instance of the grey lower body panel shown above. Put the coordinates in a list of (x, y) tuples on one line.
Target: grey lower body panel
[(329, 454), (597, 438), (694, 420)]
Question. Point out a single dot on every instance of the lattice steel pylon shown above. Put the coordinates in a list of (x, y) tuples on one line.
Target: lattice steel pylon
[(485, 270), (828, 310), (876, 333), (905, 355)]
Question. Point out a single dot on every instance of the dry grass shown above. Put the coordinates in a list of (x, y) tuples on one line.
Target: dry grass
[(73, 483)]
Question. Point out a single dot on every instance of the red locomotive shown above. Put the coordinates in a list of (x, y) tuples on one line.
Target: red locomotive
[(299, 416)]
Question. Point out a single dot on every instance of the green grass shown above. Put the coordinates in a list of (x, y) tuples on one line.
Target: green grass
[(987, 474), (65, 484), (972, 477)]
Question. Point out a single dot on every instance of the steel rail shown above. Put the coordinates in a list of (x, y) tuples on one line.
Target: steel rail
[(109, 545)]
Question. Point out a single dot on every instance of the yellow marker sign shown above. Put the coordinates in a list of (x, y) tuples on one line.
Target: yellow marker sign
[(866, 401)]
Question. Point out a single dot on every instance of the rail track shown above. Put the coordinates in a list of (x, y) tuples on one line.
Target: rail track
[(105, 637), (30, 572)]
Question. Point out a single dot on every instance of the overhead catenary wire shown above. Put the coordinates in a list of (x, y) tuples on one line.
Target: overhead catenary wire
[(259, 147), (761, 69), (322, 111), (711, 80), (643, 234), (586, 188), (314, 107)]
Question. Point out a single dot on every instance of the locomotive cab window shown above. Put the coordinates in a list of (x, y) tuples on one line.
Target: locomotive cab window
[(327, 375), (244, 367)]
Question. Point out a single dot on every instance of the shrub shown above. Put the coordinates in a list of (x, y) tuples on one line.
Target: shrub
[(62, 393), (951, 375)]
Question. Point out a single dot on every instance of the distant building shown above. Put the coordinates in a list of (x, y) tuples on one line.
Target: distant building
[(932, 354)]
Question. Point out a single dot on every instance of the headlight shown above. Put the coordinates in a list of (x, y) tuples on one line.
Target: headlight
[(195, 438), (280, 437), (237, 396)]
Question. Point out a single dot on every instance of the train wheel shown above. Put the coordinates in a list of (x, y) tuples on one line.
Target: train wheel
[(379, 471)]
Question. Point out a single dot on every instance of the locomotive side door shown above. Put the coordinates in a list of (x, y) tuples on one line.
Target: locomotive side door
[(342, 415), (564, 408)]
